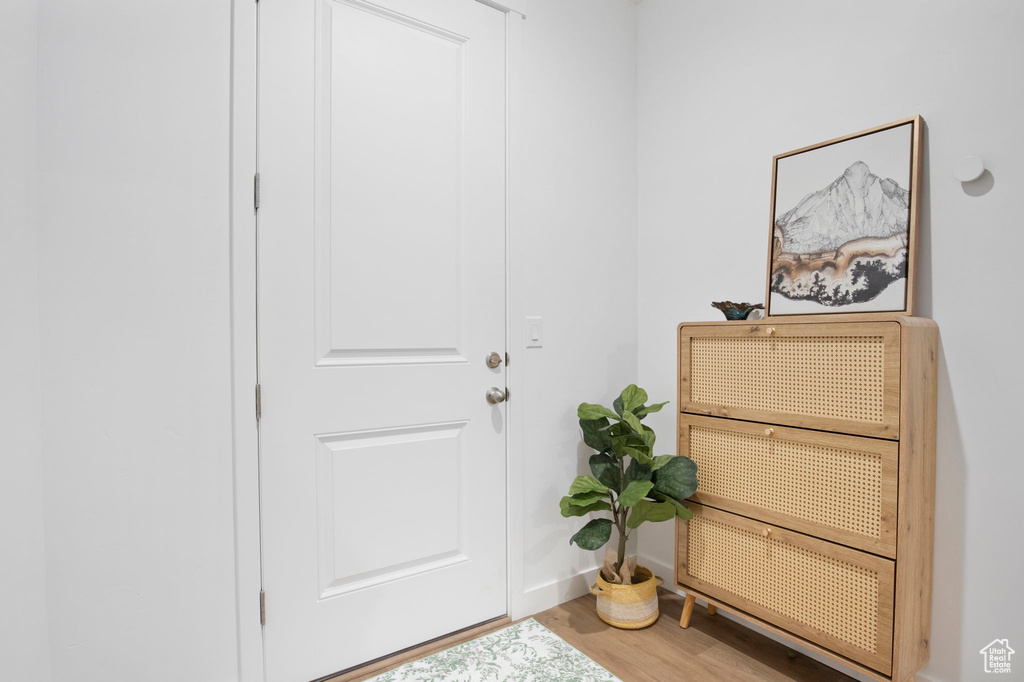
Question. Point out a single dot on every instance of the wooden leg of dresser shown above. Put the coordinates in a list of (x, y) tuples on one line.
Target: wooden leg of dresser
[(712, 610), (684, 622)]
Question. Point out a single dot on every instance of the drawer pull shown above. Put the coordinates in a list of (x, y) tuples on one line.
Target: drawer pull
[(769, 432), (769, 331), (767, 532)]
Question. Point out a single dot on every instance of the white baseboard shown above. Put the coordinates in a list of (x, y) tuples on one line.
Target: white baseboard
[(668, 574), (544, 597)]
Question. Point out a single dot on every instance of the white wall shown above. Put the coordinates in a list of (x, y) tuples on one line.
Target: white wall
[(134, 286), (23, 631), (135, 314), (723, 86), (574, 235)]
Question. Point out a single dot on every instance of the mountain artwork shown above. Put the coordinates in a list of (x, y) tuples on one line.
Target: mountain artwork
[(845, 243), (844, 224)]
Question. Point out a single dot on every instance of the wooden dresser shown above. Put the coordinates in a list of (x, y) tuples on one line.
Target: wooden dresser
[(815, 446)]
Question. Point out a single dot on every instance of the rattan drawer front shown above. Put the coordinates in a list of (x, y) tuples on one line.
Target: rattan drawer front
[(828, 594), (835, 377), (841, 488)]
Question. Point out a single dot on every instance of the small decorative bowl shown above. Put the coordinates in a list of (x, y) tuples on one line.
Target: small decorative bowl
[(736, 311)]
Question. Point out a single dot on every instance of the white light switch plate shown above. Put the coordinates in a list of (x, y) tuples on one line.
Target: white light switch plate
[(534, 332)]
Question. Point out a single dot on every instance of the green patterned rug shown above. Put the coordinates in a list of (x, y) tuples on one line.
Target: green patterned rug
[(524, 652)]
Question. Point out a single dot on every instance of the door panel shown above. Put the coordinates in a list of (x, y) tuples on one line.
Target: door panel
[(351, 557), (381, 292), (391, 138)]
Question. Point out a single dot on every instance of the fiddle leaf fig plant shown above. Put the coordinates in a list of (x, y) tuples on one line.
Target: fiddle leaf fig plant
[(628, 479)]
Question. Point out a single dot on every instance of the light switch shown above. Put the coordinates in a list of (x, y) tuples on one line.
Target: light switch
[(534, 332)]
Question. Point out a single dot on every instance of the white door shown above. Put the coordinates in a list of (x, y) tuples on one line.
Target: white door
[(381, 294)]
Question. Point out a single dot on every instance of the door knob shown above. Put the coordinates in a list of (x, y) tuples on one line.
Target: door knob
[(493, 360), (495, 395)]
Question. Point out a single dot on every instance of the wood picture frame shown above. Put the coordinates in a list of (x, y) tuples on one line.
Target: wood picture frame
[(842, 238)]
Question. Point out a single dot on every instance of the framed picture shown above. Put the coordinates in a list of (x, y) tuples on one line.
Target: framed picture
[(844, 224)]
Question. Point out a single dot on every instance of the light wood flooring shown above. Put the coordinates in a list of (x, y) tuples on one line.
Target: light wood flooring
[(712, 649)]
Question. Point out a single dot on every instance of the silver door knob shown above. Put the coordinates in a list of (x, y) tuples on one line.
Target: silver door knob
[(495, 395), (493, 360)]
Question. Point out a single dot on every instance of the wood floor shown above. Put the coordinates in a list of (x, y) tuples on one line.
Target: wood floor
[(712, 649)]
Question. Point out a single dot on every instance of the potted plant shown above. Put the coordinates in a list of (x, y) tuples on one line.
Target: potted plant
[(635, 486)]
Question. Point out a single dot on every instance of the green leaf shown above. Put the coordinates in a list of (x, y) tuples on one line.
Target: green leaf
[(583, 499), (632, 397), (633, 421), (661, 511), (569, 508), (645, 410), (631, 447), (637, 441), (619, 445), (595, 433), (638, 472), (645, 510), (587, 484), (619, 429), (647, 434), (634, 492), (661, 460), (640, 456), (617, 406), (606, 470), (590, 411), (593, 535), (677, 479), (681, 510)]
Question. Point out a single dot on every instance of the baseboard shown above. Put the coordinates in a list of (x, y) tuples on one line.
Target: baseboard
[(668, 573), (552, 594)]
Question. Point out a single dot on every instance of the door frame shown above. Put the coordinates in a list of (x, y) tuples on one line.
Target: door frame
[(242, 235)]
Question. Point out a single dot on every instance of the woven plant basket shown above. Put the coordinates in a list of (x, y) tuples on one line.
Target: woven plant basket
[(628, 606)]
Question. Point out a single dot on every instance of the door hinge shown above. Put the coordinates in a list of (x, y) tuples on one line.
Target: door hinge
[(259, 402), (263, 608), (508, 394), (256, 188), (506, 358)]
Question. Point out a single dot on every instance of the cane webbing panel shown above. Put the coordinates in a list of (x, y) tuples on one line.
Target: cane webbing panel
[(827, 485), (832, 596), (839, 377)]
